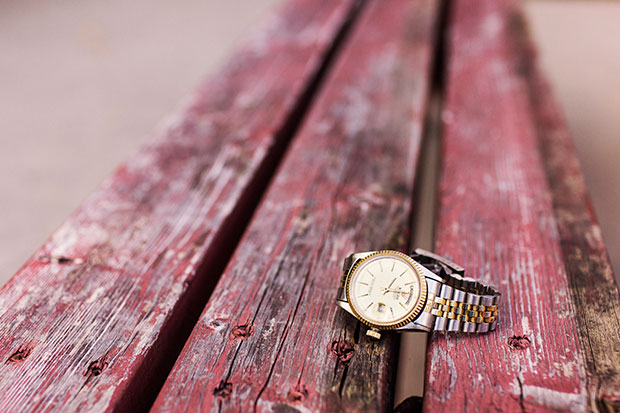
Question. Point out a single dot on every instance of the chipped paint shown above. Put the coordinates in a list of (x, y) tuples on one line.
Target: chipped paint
[(283, 276), (111, 294), (498, 218), (551, 399)]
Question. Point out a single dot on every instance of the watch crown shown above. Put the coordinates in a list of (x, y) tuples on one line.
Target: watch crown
[(371, 332)]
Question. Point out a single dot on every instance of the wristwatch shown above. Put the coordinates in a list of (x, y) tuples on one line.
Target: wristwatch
[(390, 290)]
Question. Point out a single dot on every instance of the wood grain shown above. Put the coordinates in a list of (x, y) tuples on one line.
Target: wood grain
[(503, 213), (94, 320), (590, 276), (271, 337)]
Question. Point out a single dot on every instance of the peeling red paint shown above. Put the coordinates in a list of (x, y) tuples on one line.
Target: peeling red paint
[(499, 219), (353, 162), (139, 257), (342, 349)]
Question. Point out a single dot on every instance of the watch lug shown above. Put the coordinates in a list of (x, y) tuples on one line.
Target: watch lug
[(345, 306), (346, 269), (359, 255), (342, 294), (351, 259), (453, 266), (424, 322), (429, 274)]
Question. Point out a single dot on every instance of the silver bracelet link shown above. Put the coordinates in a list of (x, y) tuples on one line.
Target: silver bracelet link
[(462, 304)]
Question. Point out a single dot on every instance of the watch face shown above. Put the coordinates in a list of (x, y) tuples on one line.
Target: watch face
[(386, 290)]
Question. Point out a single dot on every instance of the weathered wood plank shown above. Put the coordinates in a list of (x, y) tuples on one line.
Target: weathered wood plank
[(96, 318), (499, 216), (590, 277), (271, 337)]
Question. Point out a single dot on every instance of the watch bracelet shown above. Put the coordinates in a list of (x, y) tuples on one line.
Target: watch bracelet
[(462, 303)]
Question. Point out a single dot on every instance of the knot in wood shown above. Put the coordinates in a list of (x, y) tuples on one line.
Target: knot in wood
[(519, 342), (223, 390), (297, 393), (243, 330), (19, 355), (342, 349)]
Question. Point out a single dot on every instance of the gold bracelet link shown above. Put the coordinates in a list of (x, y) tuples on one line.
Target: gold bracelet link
[(457, 310)]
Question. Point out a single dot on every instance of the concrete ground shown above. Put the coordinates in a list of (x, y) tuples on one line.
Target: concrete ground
[(85, 83)]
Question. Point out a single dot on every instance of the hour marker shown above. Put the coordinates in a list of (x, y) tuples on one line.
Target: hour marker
[(363, 283), (380, 266), (409, 283), (370, 305), (401, 304), (363, 295), (392, 311), (393, 264), (370, 273), (403, 273)]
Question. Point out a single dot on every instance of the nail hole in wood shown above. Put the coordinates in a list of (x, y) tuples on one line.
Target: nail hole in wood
[(519, 342), (243, 330), (56, 259), (223, 390), (95, 368), (342, 349), (216, 324), (21, 354), (297, 393)]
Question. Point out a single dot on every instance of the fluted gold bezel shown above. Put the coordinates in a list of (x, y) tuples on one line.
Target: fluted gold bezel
[(417, 308)]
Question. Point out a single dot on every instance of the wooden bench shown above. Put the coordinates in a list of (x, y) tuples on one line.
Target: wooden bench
[(202, 274)]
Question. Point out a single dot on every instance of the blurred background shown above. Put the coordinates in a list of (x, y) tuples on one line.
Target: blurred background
[(84, 84)]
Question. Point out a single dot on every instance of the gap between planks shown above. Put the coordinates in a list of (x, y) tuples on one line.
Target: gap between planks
[(568, 360), (237, 367), (251, 201), (149, 375), (409, 387)]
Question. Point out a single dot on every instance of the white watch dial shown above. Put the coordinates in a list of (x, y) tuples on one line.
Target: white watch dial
[(385, 289)]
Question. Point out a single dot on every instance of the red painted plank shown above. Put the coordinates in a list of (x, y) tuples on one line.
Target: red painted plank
[(588, 268), (271, 337), (501, 219), (97, 316)]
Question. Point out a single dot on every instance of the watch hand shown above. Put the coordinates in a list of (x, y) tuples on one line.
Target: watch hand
[(396, 291), (385, 290)]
